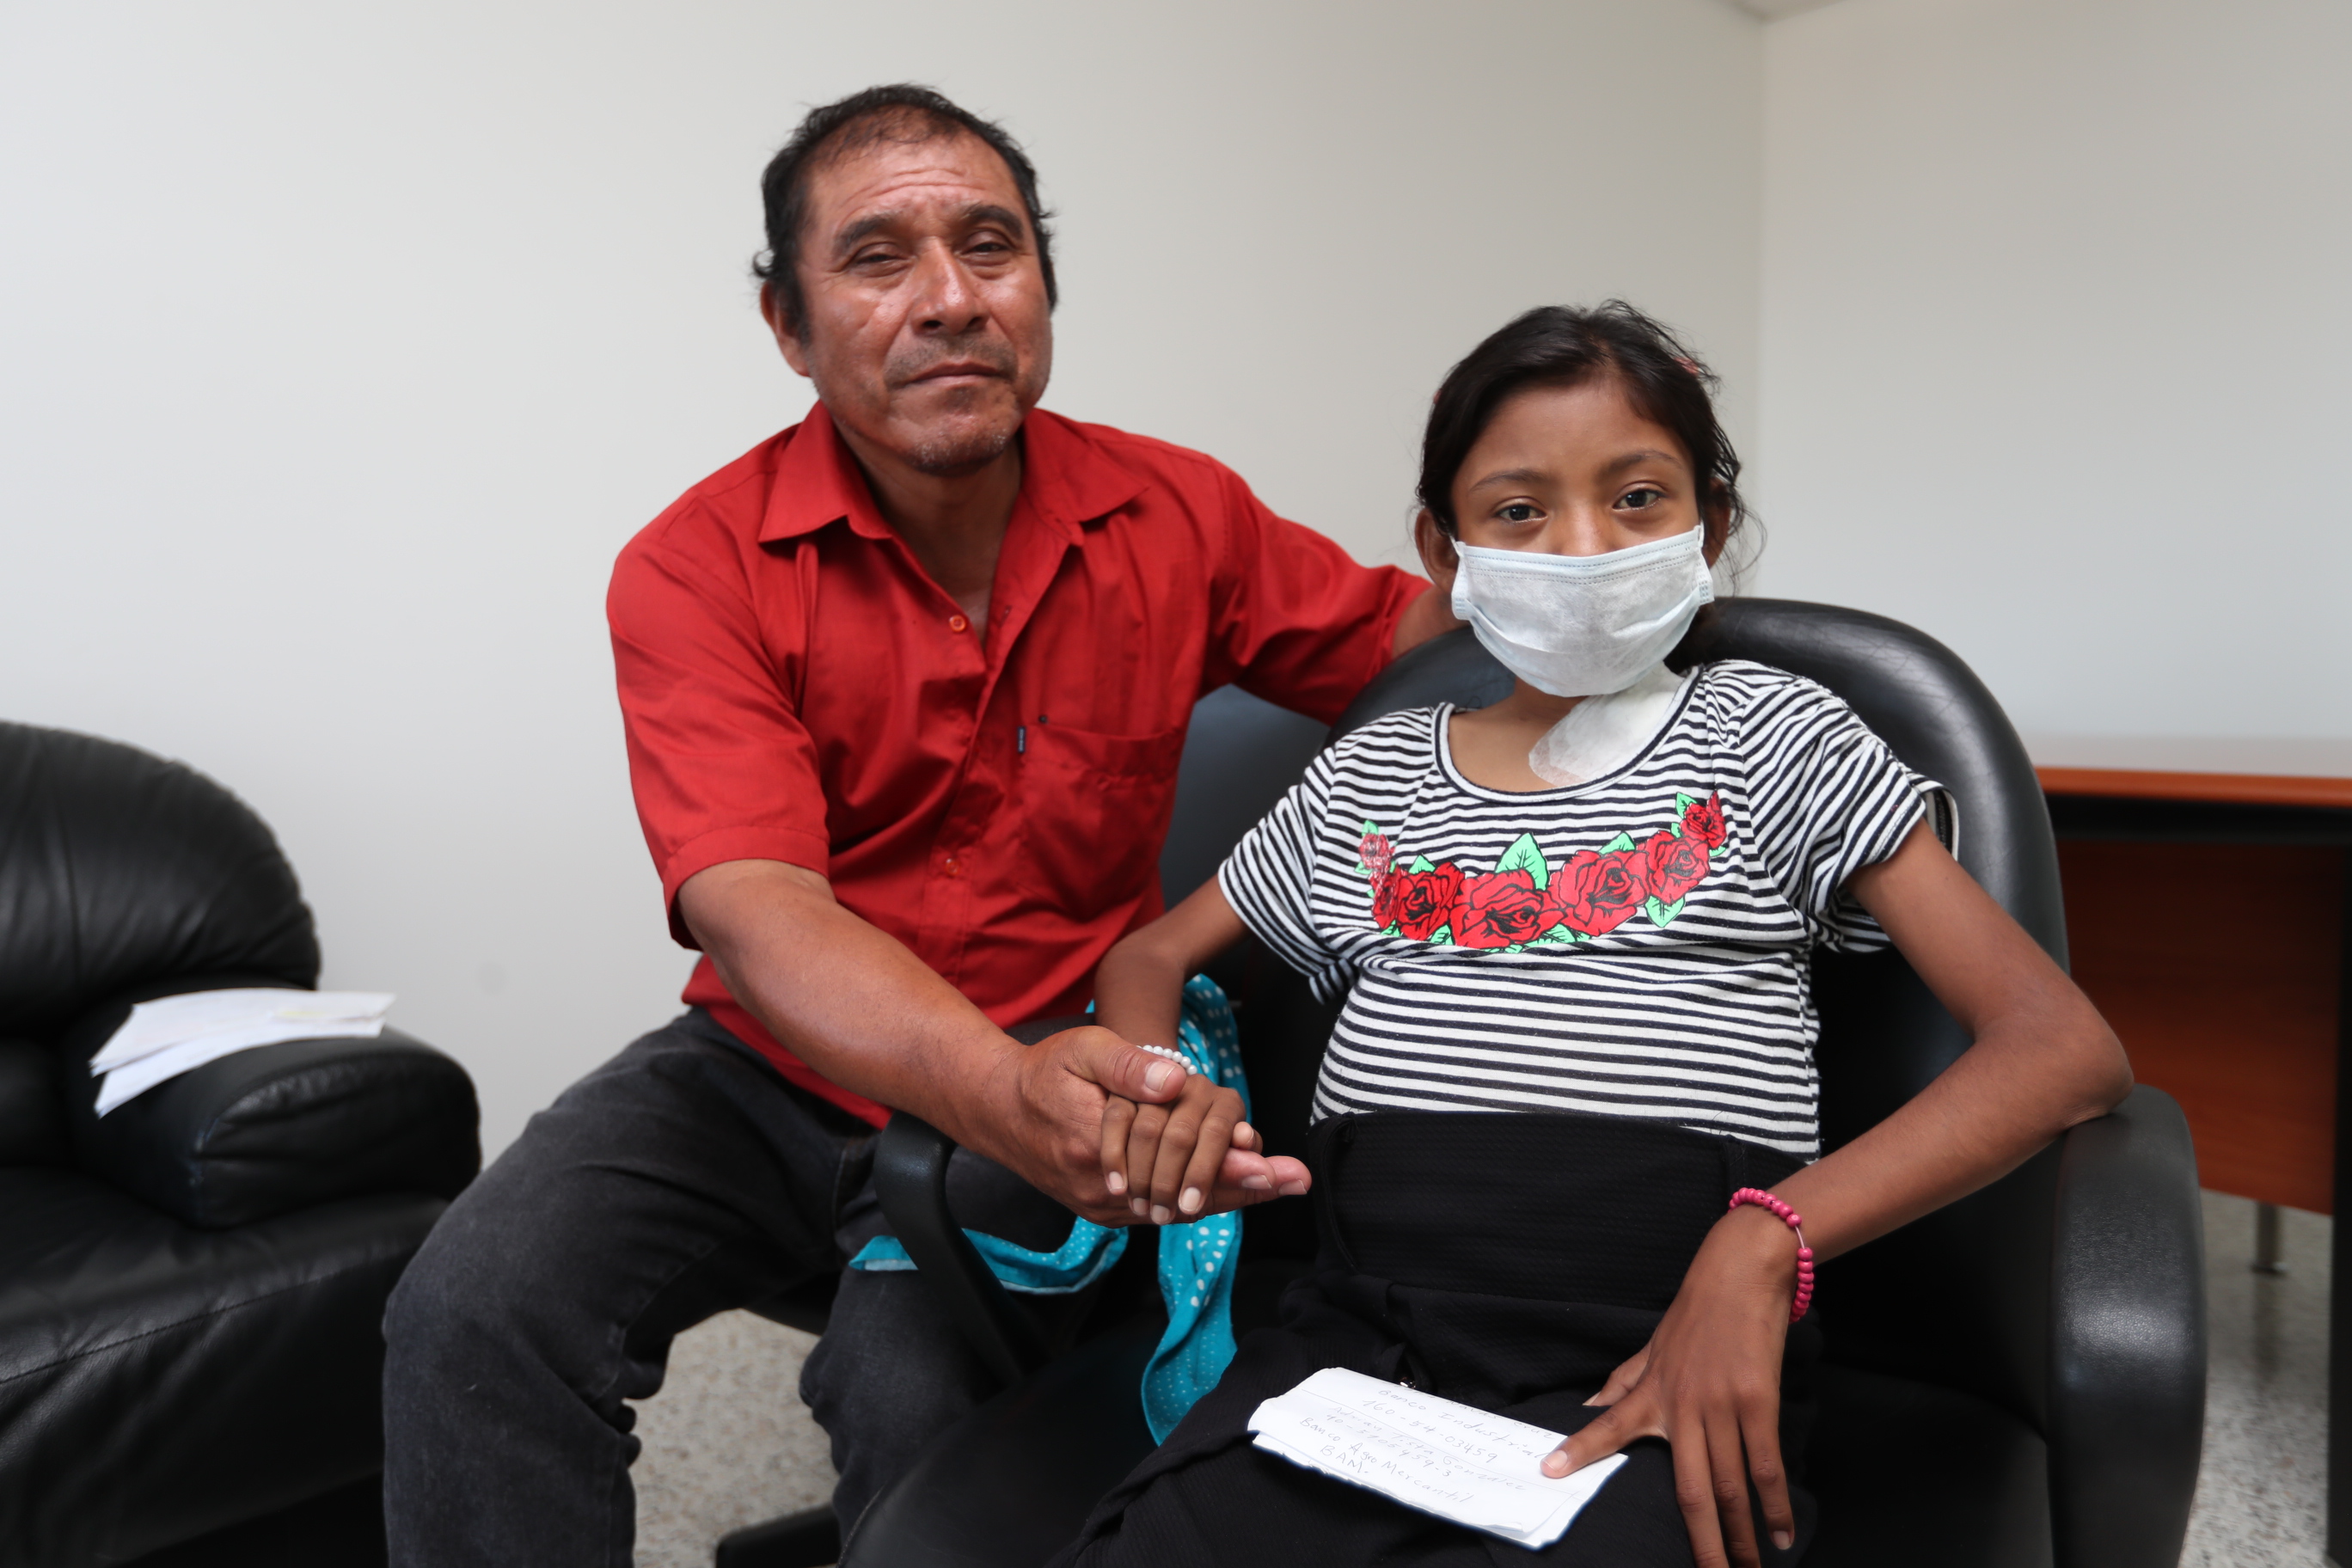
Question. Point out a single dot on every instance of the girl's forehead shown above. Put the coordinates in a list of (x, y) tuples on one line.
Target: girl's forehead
[(1588, 425)]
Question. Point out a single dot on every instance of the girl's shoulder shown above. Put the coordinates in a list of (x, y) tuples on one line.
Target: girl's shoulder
[(1402, 739), (1748, 700)]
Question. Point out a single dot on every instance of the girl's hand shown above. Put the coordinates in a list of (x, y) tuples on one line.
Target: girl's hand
[(1171, 1159), (1709, 1383)]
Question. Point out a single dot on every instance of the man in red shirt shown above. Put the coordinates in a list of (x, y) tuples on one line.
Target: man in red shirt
[(905, 688)]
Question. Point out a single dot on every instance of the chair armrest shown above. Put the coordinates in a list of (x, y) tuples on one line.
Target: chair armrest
[(264, 1131), (910, 1177), (2127, 1338)]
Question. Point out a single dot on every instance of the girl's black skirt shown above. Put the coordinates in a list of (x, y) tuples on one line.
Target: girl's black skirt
[(1509, 1261)]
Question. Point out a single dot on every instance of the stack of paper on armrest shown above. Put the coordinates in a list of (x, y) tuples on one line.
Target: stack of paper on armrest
[(173, 1035), (1456, 1461)]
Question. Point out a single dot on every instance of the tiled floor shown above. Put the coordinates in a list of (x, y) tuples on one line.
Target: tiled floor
[(2264, 1484), (727, 1443)]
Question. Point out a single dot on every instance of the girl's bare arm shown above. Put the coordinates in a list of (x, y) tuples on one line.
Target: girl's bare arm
[(2042, 1060), (1171, 1160)]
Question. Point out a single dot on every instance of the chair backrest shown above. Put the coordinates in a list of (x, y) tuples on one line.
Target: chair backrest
[(1961, 1297), (119, 869)]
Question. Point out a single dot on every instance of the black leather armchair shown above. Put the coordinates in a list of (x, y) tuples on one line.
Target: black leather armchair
[(192, 1286), (2016, 1380)]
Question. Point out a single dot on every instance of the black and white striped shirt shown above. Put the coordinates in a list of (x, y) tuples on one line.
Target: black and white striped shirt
[(1636, 945)]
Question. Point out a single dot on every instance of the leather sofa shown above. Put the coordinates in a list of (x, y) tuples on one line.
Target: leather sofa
[(191, 1286), (2016, 1380)]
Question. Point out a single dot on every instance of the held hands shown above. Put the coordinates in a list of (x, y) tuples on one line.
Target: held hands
[(1191, 1156), (1710, 1384), (1059, 1098)]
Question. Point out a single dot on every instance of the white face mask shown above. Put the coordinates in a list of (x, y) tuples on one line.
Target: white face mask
[(1581, 625)]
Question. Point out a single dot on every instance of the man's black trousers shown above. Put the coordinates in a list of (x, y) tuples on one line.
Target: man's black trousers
[(683, 1178)]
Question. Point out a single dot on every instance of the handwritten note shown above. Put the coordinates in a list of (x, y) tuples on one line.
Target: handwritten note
[(1479, 1469)]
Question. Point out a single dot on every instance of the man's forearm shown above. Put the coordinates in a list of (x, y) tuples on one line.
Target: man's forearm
[(856, 1005), (852, 1001)]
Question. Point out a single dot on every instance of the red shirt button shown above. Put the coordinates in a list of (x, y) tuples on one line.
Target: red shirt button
[(958, 624), (952, 866)]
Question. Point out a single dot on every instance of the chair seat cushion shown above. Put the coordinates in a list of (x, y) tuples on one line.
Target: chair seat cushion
[(158, 1381), (1906, 1472)]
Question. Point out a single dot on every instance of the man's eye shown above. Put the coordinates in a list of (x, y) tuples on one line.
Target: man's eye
[(1642, 495), (1520, 511)]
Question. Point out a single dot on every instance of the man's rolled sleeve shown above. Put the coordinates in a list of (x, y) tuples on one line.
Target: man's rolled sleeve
[(1299, 621), (721, 766)]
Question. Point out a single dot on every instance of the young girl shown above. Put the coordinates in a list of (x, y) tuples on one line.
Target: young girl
[(1576, 928)]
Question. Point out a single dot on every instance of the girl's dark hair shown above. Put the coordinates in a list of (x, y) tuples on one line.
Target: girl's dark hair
[(901, 112), (1560, 345)]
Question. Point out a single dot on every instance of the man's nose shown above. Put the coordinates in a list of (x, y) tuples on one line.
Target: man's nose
[(945, 301)]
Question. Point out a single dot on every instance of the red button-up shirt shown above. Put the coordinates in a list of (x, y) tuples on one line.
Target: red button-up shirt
[(796, 688)]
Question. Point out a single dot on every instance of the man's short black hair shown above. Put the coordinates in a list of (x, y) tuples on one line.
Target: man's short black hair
[(902, 111)]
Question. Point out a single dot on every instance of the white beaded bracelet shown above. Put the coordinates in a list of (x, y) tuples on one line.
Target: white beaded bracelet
[(1176, 1057)]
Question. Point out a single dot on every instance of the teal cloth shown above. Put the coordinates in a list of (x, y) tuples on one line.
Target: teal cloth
[(1196, 1260), (1069, 1268)]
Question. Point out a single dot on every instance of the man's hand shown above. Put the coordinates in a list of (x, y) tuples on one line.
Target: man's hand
[(1430, 616), (870, 1015), (1055, 1096)]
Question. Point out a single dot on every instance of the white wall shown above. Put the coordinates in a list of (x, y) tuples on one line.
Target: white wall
[(2057, 344), (341, 348)]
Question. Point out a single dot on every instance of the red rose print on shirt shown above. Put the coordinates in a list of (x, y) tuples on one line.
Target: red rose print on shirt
[(1524, 900), (1596, 893), (1703, 821), (1426, 902), (1497, 909), (1675, 865)]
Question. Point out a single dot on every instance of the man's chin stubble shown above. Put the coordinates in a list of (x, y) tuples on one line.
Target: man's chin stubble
[(949, 457)]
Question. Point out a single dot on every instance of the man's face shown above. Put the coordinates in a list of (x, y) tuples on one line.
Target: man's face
[(928, 335)]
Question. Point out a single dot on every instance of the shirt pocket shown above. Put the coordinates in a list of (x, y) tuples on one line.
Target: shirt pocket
[(1095, 808)]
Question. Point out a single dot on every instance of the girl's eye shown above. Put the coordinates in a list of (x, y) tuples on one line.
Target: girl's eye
[(1642, 495), (1520, 511)]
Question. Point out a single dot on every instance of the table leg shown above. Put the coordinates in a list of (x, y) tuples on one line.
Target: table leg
[(2266, 1240), (2339, 1296)]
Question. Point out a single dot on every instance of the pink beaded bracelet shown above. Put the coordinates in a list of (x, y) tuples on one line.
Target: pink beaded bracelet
[(1796, 1222)]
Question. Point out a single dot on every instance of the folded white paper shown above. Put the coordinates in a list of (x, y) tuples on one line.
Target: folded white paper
[(1461, 1463), (173, 1035)]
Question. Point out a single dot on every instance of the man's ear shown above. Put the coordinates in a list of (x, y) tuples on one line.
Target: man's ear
[(1437, 557), (771, 310)]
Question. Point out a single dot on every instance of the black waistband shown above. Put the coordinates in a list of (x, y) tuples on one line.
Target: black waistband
[(1548, 1205)]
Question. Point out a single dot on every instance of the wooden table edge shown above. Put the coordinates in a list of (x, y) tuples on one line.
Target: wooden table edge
[(2236, 789)]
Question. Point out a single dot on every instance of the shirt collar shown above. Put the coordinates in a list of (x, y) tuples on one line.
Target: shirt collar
[(1067, 478)]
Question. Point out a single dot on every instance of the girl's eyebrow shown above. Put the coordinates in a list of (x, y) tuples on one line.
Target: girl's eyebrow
[(1636, 460), (1510, 477), (1615, 465)]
